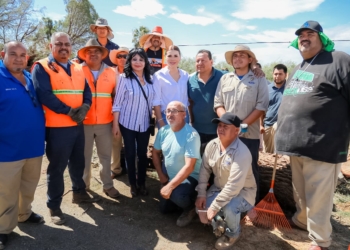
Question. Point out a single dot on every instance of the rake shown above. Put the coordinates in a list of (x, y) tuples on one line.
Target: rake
[(268, 213)]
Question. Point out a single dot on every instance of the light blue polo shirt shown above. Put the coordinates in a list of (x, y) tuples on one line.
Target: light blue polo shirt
[(176, 146)]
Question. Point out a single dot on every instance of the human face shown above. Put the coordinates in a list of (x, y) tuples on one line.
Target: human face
[(61, 48), (93, 56), (101, 32), (173, 58), (138, 64), (241, 60), (203, 63), (121, 59), (172, 118), (279, 76), (227, 132), (155, 41), (309, 43), (15, 58)]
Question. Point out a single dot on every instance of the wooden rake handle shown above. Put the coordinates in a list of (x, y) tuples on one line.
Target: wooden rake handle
[(273, 175)]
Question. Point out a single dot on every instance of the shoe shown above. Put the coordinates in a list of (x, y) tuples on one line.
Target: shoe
[(114, 175), (112, 192), (83, 196), (3, 240), (34, 218), (57, 217), (142, 190), (295, 226), (313, 247), (133, 191), (186, 218), (225, 242)]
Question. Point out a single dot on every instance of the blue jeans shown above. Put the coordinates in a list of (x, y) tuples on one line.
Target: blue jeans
[(187, 119), (64, 146), (132, 137), (231, 213)]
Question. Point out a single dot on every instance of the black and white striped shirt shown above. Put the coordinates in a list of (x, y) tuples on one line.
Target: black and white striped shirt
[(132, 105)]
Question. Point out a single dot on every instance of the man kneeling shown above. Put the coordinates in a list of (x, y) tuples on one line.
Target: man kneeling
[(234, 187), (180, 144)]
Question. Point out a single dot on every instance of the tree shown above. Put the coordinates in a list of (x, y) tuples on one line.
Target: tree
[(137, 33), (223, 66), (268, 68), (188, 64)]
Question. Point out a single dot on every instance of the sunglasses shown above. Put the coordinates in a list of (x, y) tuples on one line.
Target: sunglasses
[(121, 56)]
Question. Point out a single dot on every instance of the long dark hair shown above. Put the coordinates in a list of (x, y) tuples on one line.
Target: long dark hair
[(146, 70)]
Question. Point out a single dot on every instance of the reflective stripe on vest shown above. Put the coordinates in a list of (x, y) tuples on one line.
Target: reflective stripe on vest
[(101, 108), (68, 89)]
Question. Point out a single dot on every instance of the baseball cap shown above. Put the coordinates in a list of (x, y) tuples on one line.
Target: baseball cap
[(311, 25), (228, 118)]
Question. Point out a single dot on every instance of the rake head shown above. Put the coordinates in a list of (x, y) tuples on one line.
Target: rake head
[(268, 214)]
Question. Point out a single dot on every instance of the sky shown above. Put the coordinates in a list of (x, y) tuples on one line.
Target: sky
[(207, 22)]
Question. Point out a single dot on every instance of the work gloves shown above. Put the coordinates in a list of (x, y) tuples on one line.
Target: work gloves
[(78, 114)]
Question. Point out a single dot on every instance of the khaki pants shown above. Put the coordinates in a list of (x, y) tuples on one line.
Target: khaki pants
[(117, 147), (314, 184), (101, 134), (269, 138), (18, 181)]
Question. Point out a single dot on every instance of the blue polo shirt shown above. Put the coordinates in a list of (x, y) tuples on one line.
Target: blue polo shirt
[(275, 98), (22, 123), (202, 96)]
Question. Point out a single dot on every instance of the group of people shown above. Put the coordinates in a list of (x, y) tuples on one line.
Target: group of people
[(209, 127)]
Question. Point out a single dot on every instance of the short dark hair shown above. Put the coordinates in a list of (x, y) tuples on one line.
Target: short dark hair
[(258, 64), (146, 70), (279, 67), (205, 51)]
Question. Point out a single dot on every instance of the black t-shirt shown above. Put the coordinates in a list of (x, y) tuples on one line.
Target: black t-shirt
[(155, 59), (314, 116)]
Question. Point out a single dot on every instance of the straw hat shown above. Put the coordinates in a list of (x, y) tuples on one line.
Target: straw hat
[(244, 48), (92, 43), (113, 54), (145, 40), (101, 22)]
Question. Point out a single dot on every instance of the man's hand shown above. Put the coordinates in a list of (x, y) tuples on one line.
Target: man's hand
[(211, 214), (258, 72), (72, 112), (166, 191), (161, 123), (163, 179), (200, 203), (262, 129), (80, 114)]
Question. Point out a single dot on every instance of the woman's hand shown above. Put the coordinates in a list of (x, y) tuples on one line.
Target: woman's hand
[(116, 130)]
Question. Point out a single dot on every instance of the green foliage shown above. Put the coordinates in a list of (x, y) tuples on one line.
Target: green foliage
[(188, 64), (223, 66), (268, 68), (137, 33)]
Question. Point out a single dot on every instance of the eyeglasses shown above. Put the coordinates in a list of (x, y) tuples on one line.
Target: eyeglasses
[(121, 56), (35, 103), (172, 111)]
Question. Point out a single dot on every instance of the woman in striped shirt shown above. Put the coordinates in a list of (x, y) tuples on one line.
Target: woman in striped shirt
[(132, 116)]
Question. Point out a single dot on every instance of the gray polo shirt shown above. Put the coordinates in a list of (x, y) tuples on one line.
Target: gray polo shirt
[(242, 97)]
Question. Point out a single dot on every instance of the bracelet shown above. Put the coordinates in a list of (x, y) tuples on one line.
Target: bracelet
[(160, 119)]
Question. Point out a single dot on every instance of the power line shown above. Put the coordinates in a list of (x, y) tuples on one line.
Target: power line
[(214, 44)]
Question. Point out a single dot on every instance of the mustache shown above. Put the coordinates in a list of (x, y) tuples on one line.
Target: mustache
[(305, 41)]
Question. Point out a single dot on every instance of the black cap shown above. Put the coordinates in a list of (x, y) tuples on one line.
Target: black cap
[(311, 25), (228, 118)]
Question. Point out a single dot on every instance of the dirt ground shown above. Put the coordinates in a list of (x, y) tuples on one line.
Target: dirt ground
[(136, 223)]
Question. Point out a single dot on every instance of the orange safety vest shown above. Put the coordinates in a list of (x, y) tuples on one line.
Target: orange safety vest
[(101, 108), (163, 57), (68, 89)]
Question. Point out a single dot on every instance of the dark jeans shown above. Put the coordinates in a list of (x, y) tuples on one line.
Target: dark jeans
[(183, 196), (205, 139), (64, 146), (253, 146), (131, 139)]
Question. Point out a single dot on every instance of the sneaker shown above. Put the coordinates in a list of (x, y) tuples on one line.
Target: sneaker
[(57, 217), (112, 192), (3, 240), (34, 218), (83, 196), (186, 218), (225, 242)]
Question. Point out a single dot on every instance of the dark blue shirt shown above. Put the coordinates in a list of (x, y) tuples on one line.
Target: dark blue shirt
[(22, 122), (202, 96), (275, 98), (110, 46), (41, 80)]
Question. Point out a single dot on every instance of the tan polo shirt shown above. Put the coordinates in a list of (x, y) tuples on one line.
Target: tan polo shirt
[(232, 170), (242, 97)]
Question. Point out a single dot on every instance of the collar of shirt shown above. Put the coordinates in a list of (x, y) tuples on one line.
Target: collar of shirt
[(233, 146), (213, 73), (281, 88), (5, 73), (52, 59), (249, 74)]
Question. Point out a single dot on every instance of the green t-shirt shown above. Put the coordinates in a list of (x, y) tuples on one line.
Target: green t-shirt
[(176, 146)]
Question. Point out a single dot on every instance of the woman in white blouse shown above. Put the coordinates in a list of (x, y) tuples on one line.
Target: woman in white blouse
[(132, 116), (170, 84)]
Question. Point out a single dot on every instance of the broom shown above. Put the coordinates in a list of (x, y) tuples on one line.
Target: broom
[(268, 213)]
